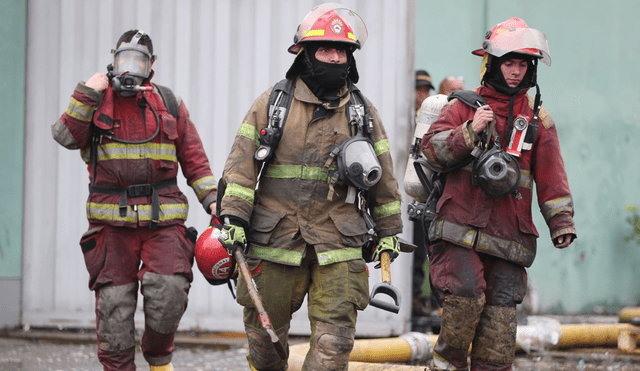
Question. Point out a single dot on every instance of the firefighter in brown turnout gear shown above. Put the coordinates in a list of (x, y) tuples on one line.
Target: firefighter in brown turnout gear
[(134, 135), (308, 220), (498, 143)]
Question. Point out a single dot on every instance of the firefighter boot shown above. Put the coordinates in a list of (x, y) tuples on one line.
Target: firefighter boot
[(167, 367), (460, 316), (494, 345)]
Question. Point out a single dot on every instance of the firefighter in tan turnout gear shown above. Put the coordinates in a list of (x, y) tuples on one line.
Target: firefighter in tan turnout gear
[(134, 135), (308, 220), (482, 238)]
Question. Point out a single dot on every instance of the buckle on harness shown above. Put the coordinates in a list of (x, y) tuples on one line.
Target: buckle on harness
[(139, 190)]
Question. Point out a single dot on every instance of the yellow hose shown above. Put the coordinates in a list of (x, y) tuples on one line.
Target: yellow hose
[(376, 354), (625, 314)]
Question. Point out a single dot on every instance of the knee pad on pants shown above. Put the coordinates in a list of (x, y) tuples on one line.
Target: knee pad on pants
[(495, 339), (330, 348), (262, 355), (165, 300), (116, 306)]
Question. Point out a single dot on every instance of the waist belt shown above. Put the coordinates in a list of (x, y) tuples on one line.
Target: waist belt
[(138, 190)]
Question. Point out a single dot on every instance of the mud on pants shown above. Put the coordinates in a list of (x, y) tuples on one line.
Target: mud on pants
[(335, 293), (113, 256), (479, 294)]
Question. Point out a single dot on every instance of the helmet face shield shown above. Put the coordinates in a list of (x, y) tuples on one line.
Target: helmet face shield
[(314, 27), (521, 40), (132, 60)]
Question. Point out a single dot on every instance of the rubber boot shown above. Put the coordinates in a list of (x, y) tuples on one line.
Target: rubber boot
[(167, 367)]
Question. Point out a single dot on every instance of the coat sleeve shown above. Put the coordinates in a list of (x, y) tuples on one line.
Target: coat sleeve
[(193, 160), (552, 184), (72, 130), (241, 169), (386, 199)]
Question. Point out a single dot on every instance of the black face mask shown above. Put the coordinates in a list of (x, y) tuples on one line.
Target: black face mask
[(324, 79), (495, 78)]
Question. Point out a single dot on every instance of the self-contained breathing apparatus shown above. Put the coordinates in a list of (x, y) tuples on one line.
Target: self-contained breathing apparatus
[(357, 163), (494, 170), (132, 64)]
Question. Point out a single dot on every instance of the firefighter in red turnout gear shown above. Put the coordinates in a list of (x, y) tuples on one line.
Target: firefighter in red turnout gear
[(134, 135), (483, 236)]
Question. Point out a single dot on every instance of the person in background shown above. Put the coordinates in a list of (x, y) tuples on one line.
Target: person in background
[(423, 88), (483, 237), (450, 84)]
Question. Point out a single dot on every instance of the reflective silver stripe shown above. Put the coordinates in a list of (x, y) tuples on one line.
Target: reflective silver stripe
[(121, 151), (111, 212), (203, 185), (552, 208), (464, 236), (79, 110)]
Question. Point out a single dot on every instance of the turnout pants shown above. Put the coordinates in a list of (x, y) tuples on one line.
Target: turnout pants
[(479, 294), (335, 293), (119, 260)]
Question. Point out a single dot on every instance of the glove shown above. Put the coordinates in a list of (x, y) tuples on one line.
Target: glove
[(390, 244), (98, 82), (231, 237)]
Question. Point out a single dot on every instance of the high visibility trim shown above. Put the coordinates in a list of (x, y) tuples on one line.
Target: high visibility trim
[(385, 210), (554, 207), (111, 212), (239, 191), (203, 185), (351, 36), (249, 131), (340, 255), (79, 110), (526, 181), (121, 151), (381, 147), (296, 172), (277, 255), (314, 33)]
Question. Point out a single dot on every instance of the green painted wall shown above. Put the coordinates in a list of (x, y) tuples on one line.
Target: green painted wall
[(13, 28), (592, 90)]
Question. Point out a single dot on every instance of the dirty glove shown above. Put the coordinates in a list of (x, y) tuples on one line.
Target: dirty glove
[(98, 82), (232, 236), (390, 244)]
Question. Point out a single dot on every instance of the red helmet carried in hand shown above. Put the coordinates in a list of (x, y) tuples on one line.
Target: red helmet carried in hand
[(213, 260)]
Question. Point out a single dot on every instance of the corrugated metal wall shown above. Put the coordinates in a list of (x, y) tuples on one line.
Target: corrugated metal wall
[(218, 56)]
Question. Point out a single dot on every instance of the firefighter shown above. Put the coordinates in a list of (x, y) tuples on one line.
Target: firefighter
[(483, 236), (134, 135), (305, 235), (423, 88)]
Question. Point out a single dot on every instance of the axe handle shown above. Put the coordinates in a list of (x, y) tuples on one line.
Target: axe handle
[(385, 266), (265, 321)]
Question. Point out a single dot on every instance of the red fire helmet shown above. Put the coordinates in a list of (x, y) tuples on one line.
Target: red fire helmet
[(323, 23), (213, 260)]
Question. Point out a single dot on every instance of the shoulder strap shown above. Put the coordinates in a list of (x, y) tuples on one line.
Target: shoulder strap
[(468, 97), (287, 87), (169, 100), (353, 109)]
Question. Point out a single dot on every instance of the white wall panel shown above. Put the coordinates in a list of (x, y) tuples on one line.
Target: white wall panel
[(218, 56)]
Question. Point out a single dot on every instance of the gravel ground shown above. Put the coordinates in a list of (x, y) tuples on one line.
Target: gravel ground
[(77, 352)]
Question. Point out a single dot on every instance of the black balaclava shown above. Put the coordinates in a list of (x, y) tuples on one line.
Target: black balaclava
[(495, 78), (324, 79)]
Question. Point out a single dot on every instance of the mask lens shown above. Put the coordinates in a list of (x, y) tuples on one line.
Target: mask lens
[(133, 62)]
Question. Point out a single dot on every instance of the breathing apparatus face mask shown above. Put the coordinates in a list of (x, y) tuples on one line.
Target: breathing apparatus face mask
[(496, 172), (131, 66), (358, 164)]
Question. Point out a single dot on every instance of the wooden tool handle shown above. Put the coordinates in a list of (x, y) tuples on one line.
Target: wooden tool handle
[(385, 266)]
